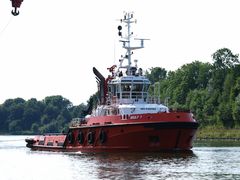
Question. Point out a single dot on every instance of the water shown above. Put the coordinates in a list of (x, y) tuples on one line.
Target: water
[(19, 163)]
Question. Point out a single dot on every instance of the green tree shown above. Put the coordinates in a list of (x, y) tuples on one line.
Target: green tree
[(189, 77), (196, 100), (35, 128), (227, 88), (225, 115), (51, 111), (58, 101), (224, 58), (236, 111), (32, 113), (223, 61), (156, 74), (3, 119), (78, 111), (15, 126), (91, 104)]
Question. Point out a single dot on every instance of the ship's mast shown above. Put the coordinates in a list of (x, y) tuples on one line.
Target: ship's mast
[(128, 20)]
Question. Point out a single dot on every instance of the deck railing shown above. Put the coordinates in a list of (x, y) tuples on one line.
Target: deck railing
[(127, 100), (77, 122)]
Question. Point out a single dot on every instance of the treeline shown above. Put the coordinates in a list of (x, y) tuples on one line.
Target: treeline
[(210, 91), (50, 115)]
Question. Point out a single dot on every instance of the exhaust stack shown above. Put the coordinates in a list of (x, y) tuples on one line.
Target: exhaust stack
[(102, 86)]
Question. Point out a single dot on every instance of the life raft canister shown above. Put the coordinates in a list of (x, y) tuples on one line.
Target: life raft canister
[(80, 137), (90, 137), (70, 138), (102, 137)]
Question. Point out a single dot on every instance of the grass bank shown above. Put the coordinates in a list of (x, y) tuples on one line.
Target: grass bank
[(218, 133)]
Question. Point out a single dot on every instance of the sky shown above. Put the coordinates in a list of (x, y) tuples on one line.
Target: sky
[(52, 46)]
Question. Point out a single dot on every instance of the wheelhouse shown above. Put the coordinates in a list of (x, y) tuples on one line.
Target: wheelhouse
[(128, 89)]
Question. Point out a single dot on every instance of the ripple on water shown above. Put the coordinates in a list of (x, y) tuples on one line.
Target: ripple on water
[(203, 163)]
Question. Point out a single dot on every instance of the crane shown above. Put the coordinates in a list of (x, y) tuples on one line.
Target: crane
[(16, 4)]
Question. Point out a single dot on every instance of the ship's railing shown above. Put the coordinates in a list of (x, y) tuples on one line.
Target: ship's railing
[(128, 100), (54, 134), (77, 122), (153, 100)]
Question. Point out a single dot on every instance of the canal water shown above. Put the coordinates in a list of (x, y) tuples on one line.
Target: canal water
[(206, 161)]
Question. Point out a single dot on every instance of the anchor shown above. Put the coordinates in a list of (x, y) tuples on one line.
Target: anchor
[(15, 12), (16, 4)]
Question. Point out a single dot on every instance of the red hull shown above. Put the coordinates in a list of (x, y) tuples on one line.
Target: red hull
[(126, 117), (174, 134)]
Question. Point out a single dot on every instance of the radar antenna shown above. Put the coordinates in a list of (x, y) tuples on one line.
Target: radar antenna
[(127, 39)]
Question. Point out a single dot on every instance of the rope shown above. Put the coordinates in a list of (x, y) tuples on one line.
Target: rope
[(5, 27)]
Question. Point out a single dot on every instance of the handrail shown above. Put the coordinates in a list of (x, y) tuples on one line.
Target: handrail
[(77, 122), (128, 100)]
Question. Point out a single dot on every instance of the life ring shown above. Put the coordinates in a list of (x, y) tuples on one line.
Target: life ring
[(80, 137), (70, 138), (90, 138), (102, 137)]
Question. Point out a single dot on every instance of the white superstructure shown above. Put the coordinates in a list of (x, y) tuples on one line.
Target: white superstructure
[(127, 87)]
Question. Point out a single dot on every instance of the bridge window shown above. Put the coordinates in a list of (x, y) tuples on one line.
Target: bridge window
[(137, 87), (126, 87)]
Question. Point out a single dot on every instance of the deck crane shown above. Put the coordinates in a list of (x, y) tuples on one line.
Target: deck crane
[(16, 4)]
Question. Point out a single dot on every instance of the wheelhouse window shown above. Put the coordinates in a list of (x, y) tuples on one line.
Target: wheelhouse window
[(137, 87), (134, 89), (126, 87), (126, 90), (137, 91)]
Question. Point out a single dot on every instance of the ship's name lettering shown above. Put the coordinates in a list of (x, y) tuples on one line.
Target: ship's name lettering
[(134, 117), (148, 108)]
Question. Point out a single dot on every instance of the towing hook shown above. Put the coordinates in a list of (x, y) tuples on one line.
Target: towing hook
[(15, 12)]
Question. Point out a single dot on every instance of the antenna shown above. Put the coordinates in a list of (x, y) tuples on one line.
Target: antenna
[(136, 62), (126, 40)]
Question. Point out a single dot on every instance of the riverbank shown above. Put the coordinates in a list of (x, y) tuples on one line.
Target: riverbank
[(214, 133)]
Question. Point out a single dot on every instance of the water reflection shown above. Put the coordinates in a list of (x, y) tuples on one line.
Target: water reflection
[(205, 162), (135, 165)]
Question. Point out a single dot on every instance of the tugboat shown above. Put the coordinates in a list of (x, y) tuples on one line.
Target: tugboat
[(126, 118)]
